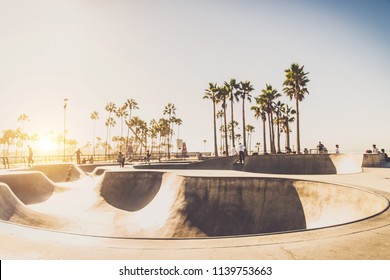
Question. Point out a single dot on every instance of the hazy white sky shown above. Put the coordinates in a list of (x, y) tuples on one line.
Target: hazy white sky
[(98, 51)]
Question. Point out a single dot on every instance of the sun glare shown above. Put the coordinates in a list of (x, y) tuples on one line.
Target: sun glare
[(45, 144)]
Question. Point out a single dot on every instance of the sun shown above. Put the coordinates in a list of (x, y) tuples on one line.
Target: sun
[(45, 144)]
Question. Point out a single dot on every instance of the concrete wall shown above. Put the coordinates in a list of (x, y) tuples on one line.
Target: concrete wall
[(371, 160), (288, 164)]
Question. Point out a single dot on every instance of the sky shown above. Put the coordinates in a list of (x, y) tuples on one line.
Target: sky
[(157, 52)]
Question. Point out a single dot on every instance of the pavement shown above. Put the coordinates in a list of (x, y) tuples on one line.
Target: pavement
[(89, 218)]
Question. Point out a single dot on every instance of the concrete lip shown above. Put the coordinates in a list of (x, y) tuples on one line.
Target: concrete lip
[(367, 212)]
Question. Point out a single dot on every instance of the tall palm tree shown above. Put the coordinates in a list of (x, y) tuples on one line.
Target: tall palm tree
[(231, 88), (269, 94), (8, 138), (287, 117), (211, 93), (94, 117), (295, 87), (170, 110), (278, 119), (244, 92), (222, 95), (220, 116), (130, 104), (249, 129), (110, 122), (23, 118), (110, 108), (260, 111), (121, 113)]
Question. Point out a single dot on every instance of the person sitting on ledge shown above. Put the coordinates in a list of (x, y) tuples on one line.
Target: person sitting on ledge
[(385, 156)]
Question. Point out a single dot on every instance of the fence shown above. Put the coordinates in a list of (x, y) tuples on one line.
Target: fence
[(22, 161)]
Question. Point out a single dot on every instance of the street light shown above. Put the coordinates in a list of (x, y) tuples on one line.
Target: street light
[(65, 105)]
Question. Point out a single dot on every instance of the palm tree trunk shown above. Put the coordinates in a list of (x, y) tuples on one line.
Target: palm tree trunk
[(226, 138), (232, 119), (278, 127), (298, 136), (243, 125), (215, 130), (264, 137), (288, 135)]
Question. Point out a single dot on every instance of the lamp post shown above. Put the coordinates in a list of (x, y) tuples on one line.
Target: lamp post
[(65, 105)]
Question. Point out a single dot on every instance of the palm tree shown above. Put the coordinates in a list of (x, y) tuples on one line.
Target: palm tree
[(222, 95), (94, 117), (153, 133), (110, 108), (278, 119), (164, 131), (131, 104), (178, 122), (245, 89), (231, 88), (287, 111), (22, 119), (170, 110), (230, 131), (250, 129), (121, 113), (110, 122), (211, 93), (295, 87), (8, 137), (260, 111), (220, 116), (267, 97)]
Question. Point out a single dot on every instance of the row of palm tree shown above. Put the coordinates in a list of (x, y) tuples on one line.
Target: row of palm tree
[(267, 107), (229, 92), (160, 131)]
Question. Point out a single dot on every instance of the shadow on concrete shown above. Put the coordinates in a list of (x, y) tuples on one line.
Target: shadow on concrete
[(130, 191), (233, 206)]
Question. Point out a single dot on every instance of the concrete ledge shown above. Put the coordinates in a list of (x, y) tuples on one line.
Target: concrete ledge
[(288, 164), (371, 160)]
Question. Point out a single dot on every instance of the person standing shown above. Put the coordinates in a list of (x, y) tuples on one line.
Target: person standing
[(241, 148), (78, 154), (121, 159), (337, 149), (320, 148), (30, 156)]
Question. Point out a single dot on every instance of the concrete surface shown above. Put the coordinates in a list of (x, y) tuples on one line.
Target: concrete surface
[(287, 164), (364, 239)]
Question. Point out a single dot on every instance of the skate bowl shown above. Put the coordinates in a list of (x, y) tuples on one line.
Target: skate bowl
[(29, 186), (58, 172), (154, 204)]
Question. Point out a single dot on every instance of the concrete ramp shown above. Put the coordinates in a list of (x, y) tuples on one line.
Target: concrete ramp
[(13, 210), (29, 186), (58, 172)]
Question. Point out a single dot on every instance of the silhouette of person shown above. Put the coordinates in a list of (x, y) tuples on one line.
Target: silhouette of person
[(78, 154), (30, 156)]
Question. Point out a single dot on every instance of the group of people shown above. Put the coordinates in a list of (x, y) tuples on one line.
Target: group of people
[(240, 156), (323, 150), (375, 150)]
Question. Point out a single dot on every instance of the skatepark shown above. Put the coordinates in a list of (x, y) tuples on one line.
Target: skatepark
[(271, 207)]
